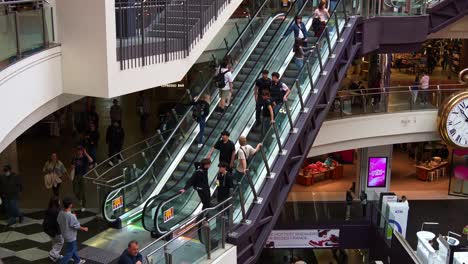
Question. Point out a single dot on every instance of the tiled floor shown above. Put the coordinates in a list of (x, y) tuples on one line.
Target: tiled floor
[(27, 243)]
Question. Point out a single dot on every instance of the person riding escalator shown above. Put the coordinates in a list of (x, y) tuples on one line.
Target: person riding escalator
[(199, 181)]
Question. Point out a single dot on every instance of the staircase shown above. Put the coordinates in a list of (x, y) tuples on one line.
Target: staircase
[(445, 13)]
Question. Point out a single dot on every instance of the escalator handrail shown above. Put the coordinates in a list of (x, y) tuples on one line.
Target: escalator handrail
[(246, 96), (211, 133)]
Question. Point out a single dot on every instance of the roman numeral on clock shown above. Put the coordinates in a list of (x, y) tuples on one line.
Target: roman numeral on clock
[(450, 123), (458, 139), (463, 105), (452, 132)]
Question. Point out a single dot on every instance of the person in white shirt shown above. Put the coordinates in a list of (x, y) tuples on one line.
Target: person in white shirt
[(424, 86), (226, 91), (244, 153), (323, 15)]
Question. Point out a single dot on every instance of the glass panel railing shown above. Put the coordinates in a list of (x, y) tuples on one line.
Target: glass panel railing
[(391, 100), (182, 138), (235, 126), (24, 32), (371, 8)]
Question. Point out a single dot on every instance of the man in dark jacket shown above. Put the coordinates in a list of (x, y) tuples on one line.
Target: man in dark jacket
[(199, 181), (10, 190), (131, 254), (224, 181), (114, 138)]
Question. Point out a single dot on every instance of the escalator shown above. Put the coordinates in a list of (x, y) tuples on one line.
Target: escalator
[(275, 52), (271, 173), (126, 187)]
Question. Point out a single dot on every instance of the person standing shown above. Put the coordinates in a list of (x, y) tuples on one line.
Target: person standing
[(143, 108), (299, 53), (199, 182), (56, 169), (262, 84), (10, 190), (244, 153), (424, 82), (200, 112), (93, 116), (80, 166), (321, 13), (268, 116), (131, 255), (349, 203), (92, 140), (363, 198), (445, 60), (69, 226), (279, 91), (225, 77), (299, 29), (116, 112), (415, 88), (227, 149), (52, 228), (224, 181), (115, 136)]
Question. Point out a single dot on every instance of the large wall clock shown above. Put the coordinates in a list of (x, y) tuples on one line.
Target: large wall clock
[(453, 120)]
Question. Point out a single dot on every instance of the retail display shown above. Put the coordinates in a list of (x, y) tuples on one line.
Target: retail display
[(432, 170), (311, 173)]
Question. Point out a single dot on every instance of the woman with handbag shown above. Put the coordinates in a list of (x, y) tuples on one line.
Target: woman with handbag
[(54, 171)]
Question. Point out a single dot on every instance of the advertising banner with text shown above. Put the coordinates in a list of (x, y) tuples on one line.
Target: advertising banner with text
[(311, 238)]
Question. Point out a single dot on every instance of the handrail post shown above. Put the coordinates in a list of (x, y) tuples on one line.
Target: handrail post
[(327, 36), (270, 174), (223, 231), (44, 28), (278, 140), (167, 255), (338, 34), (18, 42), (412, 98), (256, 200), (439, 96), (344, 11), (319, 56), (309, 71), (288, 113), (207, 238), (299, 93), (242, 205)]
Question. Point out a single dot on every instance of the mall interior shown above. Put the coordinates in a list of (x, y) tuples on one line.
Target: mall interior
[(116, 106)]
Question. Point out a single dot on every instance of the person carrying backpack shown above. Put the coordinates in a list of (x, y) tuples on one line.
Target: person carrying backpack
[(52, 228), (243, 154), (200, 111), (199, 182), (223, 81)]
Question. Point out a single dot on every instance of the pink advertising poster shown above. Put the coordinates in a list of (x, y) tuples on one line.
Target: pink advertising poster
[(377, 172)]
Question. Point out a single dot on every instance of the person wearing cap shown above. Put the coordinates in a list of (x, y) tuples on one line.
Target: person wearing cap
[(80, 165), (116, 112), (261, 85), (224, 182), (227, 149), (199, 181), (10, 190)]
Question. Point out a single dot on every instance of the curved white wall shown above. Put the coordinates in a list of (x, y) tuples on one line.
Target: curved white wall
[(375, 130), (31, 89)]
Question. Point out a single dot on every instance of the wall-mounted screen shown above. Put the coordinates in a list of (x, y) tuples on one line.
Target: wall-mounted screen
[(377, 172)]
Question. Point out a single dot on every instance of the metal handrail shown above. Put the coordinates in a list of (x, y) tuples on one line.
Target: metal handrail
[(21, 2), (184, 223), (245, 98)]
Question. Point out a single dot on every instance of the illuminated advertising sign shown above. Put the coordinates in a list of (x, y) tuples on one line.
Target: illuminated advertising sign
[(312, 238), (117, 203), (168, 214), (377, 172)]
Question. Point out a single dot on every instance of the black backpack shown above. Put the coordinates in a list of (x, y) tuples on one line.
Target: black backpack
[(219, 79), (316, 24), (198, 111)]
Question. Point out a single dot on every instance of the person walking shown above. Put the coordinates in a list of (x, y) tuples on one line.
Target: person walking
[(279, 91), (69, 227), (268, 113), (199, 181), (415, 88), (80, 166), (224, 182), (445, 60), (52, 228), (424, 82), (321, 13), (200, 112), (363, 198), (92, 140), (227, 149), (116, 112), (115, 136), (299, 29), (262, 84), (10, 191), (55, 170), (131, 255), (143, 109), (243, 154)]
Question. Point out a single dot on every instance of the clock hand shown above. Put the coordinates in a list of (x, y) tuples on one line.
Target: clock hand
[(463, 112)]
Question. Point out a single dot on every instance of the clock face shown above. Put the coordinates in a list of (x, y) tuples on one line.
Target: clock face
[(457, 123)]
